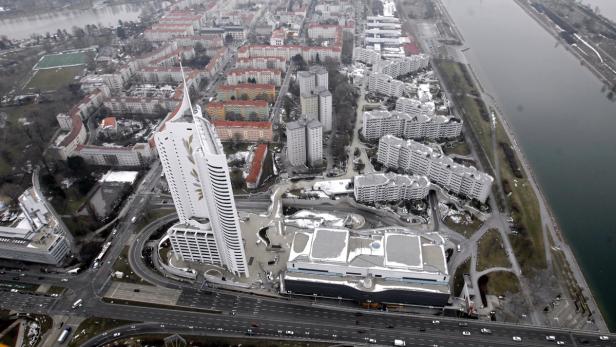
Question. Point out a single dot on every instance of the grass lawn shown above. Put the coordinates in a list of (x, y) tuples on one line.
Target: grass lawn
[(490, 252), (211, 341), (151, 216), (466, 229), (502, 283), (52, 79), (91, 327), (62, 59), (528, 243), (460, 148), (121, 264), (55, 290)]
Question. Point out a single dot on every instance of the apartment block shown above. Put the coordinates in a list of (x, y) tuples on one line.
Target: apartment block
[(378, 123), (243, 131), (385, 84), (261, 76), (243, 109), (390, 187), (248, 91), (416, 158)]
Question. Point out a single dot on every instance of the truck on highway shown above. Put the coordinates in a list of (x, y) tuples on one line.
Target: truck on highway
[(398, 342), (77, 303), (64, 335)]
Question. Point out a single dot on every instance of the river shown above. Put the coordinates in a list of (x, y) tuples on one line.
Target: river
[(563, 122), (24, 27)]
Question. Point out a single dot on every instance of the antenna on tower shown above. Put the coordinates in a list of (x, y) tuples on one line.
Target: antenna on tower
[(186, 97)]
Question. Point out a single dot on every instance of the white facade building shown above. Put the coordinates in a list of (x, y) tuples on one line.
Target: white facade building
[(366, 55), (314, 142), (296, 142), (198, 176), (378, 123), (306, 81), (326, 109), (421, 159), (415, 107), (385, 84), (36, 235), (390, 187), (316, 76), (310, 104), (305, 142), (403, 66)]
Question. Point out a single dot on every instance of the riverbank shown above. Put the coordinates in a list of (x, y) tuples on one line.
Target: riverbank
[(551, 229), (552, 30)]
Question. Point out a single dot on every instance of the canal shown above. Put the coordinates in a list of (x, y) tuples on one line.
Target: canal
[(563, 121)]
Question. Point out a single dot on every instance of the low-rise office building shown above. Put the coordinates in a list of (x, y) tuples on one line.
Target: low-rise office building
[(385, 265), (420, 159), (390, 187), (36, 235)]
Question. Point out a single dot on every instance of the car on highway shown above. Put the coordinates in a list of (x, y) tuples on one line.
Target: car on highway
[(604, 338), (462, 324), (371, 340), (422, 329), (517, 339), (116, 334), (550, 338), (486, 331), (249, 332), (560, 343), (279, 331), (436, 322), (466, 333), (398, 342), (289, 332)]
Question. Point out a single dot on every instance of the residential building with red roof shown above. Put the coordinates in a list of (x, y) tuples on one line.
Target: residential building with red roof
[(246, 109), (243, 131), (251, 91), (256, 166)]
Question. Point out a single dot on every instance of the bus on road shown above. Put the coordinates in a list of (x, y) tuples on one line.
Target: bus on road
[(64, 335)]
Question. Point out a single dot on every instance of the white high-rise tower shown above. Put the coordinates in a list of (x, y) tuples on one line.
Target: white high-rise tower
[(196, 169)]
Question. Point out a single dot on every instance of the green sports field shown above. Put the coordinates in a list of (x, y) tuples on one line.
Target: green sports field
[(48, 80), (50, 61)]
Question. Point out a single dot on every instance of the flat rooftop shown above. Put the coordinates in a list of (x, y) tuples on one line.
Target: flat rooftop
[(393, 248)]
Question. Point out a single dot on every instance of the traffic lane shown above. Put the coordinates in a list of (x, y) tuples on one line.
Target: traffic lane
[(233, 325), (33, 277), (295, 311), (298, 311), (26, 302)]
